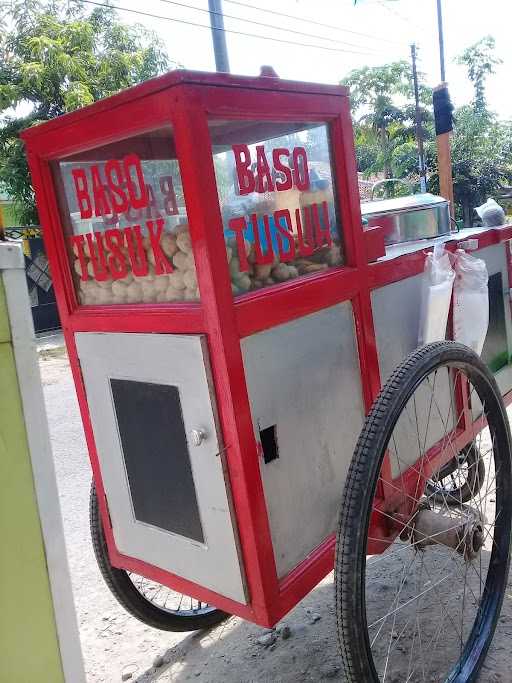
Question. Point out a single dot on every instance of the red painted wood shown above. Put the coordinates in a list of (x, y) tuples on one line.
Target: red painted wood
[(190, 588), (174, 78), (184, 101), (131, 564), (375, 245), (387, 271), (407, 265), (126, 318), (249, 105), (345, 159), (263, 309), (298, 583), (205, 221), (106, 127), (151, 106)]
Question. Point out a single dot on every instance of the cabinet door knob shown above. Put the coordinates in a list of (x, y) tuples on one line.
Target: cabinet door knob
[(197, 436)]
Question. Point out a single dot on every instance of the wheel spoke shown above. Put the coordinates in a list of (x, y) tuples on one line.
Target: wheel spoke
[(145, 599), (167, 599), (425, 597)]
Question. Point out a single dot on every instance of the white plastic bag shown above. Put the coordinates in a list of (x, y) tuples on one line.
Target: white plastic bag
[(436, 294), (470, 301), (491, 213)]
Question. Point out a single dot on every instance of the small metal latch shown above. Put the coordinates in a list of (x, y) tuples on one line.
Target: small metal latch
[(469, 245), (197, 436)]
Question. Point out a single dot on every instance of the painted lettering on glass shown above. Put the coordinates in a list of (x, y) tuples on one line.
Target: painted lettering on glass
[(298, 234)]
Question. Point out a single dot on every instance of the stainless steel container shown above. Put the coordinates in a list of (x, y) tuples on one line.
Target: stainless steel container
[(410, 218)]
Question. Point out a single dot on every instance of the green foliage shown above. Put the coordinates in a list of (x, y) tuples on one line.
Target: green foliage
[(371, 86), (384, 117), (481, 159), (481, 144), (480, 61), (55, 58), (384, 130), (404, 160)]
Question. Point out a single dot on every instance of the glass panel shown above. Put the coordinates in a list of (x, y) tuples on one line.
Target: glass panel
[(124, 216), (278, 201)]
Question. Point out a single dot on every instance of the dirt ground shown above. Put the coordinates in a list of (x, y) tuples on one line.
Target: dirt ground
[(117, 647)]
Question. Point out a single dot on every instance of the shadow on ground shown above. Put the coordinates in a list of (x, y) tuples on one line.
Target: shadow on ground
[(302, 648)]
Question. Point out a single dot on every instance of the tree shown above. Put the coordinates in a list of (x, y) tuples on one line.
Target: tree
[(384, 130), (481, 160), (56, 58), (381, 100), (480, 61), (481, 144)]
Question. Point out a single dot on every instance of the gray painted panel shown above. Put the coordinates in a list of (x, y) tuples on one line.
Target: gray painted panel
[(179, 361), (496, 262), (304, 378), (396, 316), (504, 381), (396, 311), (426, 418)]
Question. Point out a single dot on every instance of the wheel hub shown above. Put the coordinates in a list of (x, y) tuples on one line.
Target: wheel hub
[(464, 534)]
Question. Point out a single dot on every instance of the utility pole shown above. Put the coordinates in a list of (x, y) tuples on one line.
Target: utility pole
[(441, 40), (220, 47), (419, 136), (442, 114)]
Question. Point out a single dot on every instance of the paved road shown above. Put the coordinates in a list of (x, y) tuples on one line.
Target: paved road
[(115, 644)]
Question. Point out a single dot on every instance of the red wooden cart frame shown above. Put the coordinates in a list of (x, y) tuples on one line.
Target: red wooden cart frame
[(186, 101)]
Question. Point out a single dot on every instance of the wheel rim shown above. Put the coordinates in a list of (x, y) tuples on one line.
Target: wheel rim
[(167, 600), (428, 610)]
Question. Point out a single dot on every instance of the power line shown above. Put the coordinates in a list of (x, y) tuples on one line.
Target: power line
[(227, 30), (311, 21), (273, 26), (397, 14)]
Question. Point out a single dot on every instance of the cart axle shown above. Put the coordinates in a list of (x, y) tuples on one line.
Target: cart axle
[(465, 536)]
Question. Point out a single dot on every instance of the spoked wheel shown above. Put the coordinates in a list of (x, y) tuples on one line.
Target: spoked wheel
[(420, 577), (460, 479), (146, 600)]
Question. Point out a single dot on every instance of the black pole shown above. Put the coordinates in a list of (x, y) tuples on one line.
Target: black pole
[(441, 40), (220, 47), (419, 136)]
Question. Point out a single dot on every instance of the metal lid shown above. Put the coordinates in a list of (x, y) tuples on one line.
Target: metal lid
[(409, 203)]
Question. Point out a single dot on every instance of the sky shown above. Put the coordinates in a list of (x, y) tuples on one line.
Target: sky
[(389, 27)]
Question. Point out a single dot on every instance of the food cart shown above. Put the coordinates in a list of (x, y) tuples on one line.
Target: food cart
[(229, 324)]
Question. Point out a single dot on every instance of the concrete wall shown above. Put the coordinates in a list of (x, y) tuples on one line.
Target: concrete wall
[(38, 629), (28, 636)]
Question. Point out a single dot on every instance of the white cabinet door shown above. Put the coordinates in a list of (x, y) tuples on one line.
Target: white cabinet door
[(153, 414)]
